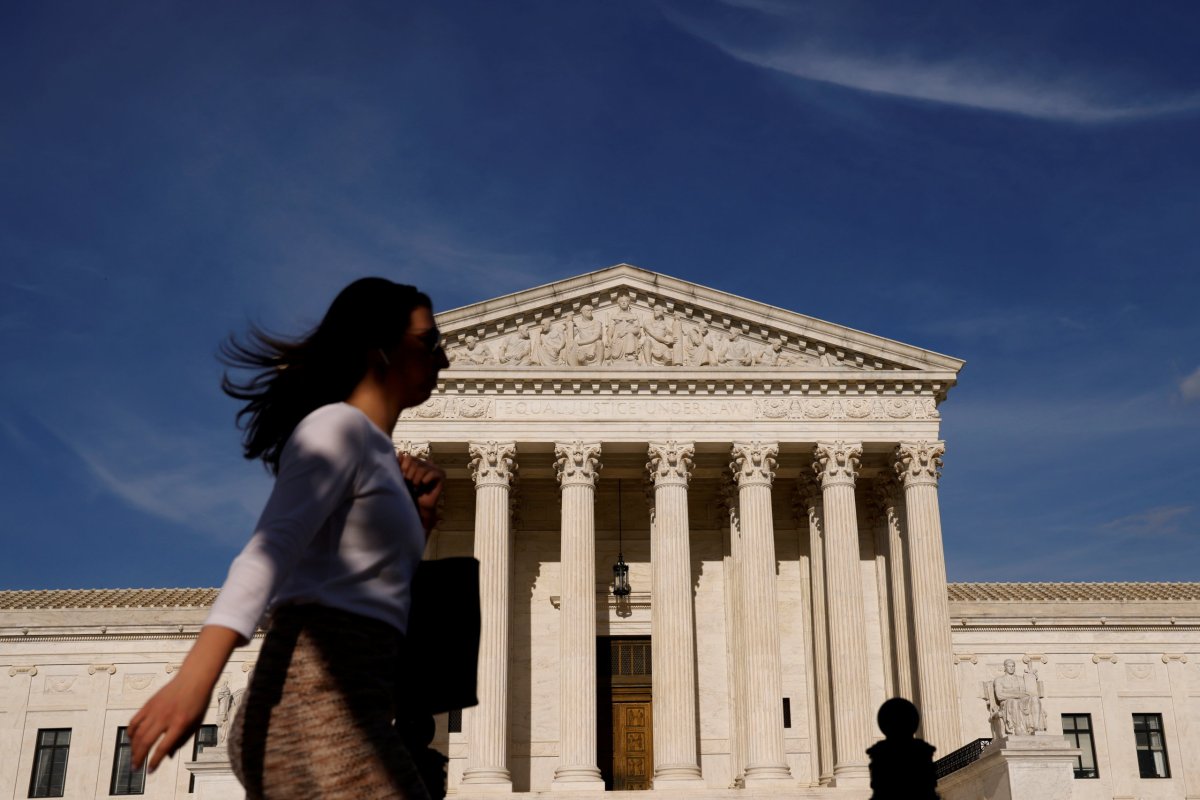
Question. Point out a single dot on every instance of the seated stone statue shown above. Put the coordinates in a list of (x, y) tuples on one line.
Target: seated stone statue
[(1014, 703)]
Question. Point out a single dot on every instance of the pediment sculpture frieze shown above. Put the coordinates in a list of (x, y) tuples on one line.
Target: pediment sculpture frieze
[(625, 334)]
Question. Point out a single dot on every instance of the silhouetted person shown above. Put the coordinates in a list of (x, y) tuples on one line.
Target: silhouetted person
[(901, 766)]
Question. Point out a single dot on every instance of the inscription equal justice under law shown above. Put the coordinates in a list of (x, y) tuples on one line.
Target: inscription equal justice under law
[(710, 408)]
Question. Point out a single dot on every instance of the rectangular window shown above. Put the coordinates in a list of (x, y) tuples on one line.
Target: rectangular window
[(1077, 728), (1151, 747), (205, 737), (50, 762), (126, 779), (787, 712), (454, 720)]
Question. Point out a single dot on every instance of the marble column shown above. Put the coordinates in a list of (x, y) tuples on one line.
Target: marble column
[(810, 492), (672, 637), (836, 466), (577, 464), (734, 624), (900, 590), (918, 464), (877, 502), (492, 468), (754, 470)]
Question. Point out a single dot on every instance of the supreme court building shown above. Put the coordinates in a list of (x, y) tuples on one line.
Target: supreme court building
[(770, 482)]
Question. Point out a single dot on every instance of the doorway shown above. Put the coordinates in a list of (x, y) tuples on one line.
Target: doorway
[(625, 712)]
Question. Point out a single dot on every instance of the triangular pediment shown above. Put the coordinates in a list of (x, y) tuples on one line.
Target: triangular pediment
[(627, 318)]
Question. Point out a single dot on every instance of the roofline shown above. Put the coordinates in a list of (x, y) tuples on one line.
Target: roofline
[(546, 294)]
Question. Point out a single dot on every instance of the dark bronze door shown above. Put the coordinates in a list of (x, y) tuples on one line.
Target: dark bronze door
[(625, 713), (633, 745)]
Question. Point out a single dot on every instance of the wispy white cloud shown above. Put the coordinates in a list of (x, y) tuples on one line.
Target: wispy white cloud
[(1084, 97), (1159, 521), (1189, 387), (965, 83), (176, 476)]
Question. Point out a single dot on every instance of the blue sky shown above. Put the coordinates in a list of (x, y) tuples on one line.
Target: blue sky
[(1014, 184)]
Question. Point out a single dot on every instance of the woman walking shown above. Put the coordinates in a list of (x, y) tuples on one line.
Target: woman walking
[(332, 558)]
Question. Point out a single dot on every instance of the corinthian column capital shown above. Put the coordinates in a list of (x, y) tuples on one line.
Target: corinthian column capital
[(919, 463), (753, 463), (492, 463), (577, 463), (836, 463), (670, 462)]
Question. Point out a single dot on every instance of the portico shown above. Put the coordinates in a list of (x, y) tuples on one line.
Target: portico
[(761, 441)]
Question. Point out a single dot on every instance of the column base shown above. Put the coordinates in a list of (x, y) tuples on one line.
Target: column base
[(853, 775), (767, 775), (488, 779), (577, 779), (678, 776)]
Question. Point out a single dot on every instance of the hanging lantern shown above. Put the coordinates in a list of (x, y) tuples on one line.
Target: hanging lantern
[(620, 569), (621, 577)]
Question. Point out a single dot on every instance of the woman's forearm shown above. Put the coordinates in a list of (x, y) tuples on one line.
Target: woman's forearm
[(165, 722), (209, 654)]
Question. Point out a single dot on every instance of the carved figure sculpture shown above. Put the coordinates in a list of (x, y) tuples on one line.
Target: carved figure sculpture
[(517, 349), (659, 343), (733, 351), (476, 351), (697, 349), (774, 356), (624, 333), (588, 339), (227, 703), (551, 341), (1014, 702)]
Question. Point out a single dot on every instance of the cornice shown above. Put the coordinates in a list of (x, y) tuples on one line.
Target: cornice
[(956, 627), (106, 634), (683, 298), (680, 380)]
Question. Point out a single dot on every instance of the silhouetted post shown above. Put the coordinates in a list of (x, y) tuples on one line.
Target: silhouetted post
[(901, 766)]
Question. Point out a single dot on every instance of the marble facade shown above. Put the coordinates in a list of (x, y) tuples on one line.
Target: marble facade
[(785, 553)]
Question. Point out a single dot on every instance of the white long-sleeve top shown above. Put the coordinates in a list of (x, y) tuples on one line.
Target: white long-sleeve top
[(340, 529)]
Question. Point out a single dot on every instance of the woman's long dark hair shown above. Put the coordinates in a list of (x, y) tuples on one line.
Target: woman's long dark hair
[(292, 377)]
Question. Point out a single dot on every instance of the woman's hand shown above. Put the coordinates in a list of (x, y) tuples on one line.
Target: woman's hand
[(177, 709), (426, 480)]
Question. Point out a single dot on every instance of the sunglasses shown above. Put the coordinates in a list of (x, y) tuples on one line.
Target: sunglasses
[(431, 339)]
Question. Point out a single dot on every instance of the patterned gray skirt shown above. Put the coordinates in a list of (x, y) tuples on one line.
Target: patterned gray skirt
[(316, 720)]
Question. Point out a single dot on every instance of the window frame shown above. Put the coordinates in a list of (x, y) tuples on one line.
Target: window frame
[(124, 776), (1144, 726), (198, 748), (43, 751), (1073, 734)]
